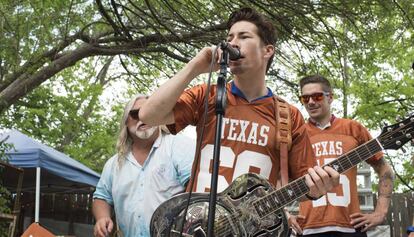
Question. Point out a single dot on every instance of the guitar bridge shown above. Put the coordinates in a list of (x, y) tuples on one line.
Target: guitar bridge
[(198, 232), (177, 234)]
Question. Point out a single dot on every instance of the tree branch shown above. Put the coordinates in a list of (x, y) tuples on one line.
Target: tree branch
[(404, 13), (33, 64), (399, 176), (390, 101)]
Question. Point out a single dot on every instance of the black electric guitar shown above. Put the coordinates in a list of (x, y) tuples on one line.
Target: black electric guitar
[(250, 206)]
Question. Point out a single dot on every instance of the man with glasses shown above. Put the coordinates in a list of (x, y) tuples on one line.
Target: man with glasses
[(150, 166), (338, 213)]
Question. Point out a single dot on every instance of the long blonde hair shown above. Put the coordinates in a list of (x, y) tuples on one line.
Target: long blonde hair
[(124, 143)]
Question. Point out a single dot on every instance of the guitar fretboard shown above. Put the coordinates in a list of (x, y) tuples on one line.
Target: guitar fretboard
[(296, 189)]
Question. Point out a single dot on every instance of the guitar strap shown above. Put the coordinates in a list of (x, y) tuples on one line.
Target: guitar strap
[(283, 137)]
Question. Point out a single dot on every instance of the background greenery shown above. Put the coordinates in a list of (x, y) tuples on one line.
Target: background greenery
[(68, 67)]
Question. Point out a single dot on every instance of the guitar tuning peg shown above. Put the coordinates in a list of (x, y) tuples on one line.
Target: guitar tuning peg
[(398, 118), (403, 149), (385, 124), (412, 142)]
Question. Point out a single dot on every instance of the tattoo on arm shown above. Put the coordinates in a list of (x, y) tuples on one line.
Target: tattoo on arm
[(386, 178), (377, 164), (386, 185)]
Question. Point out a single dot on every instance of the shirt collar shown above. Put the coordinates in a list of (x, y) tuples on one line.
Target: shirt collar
[(236, 91), (319, 125), (157, 143)]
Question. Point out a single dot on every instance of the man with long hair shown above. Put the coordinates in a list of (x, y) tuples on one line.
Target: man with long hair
[(149, 168)]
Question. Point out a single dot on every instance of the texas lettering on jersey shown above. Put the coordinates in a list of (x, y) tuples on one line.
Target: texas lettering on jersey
[(327, 148), (325, 152), (245, 131), (253, 137)]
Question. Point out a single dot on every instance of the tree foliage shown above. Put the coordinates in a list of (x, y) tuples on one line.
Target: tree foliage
[(59, 59), (5, 196)]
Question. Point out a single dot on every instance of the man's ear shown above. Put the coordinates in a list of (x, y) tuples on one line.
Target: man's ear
[(270, 50), (331, 98)]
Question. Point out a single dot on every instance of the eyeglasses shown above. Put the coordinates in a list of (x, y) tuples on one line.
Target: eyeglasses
[(134, 114), (315, 97)]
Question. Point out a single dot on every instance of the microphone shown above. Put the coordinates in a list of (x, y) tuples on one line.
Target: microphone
[(234, 53)]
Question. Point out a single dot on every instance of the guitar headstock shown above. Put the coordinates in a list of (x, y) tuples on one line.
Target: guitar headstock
[(396, 135)]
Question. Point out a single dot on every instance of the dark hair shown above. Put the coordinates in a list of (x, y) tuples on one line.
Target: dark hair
[(326, 86), (266, 30)]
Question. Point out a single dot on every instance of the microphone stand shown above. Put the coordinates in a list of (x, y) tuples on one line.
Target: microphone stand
[(220, 109)]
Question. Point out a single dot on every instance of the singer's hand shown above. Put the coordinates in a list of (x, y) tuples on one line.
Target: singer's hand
[(202, 60), (321, 180)]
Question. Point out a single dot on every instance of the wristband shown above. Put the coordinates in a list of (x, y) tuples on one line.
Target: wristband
[(312, 198), (410, 229)]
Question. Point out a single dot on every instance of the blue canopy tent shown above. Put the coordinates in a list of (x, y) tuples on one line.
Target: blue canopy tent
[(46, 169)]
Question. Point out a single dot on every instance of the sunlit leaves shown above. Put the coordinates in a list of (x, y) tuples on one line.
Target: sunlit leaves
[(364, 47)]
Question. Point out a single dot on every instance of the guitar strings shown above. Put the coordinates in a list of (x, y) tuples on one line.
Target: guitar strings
[(300, 183), (354, 157)]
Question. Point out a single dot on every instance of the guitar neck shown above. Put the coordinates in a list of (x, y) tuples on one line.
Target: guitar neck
[(296, 189)]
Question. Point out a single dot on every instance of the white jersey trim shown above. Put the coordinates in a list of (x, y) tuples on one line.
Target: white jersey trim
[(327, 229)]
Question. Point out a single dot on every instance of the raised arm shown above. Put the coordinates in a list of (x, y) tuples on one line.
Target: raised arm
[(158, 109)]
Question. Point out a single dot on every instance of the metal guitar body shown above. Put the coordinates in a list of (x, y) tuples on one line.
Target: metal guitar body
[(235, 214)]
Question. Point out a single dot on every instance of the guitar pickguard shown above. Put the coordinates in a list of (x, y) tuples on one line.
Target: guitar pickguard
[(235, 214)]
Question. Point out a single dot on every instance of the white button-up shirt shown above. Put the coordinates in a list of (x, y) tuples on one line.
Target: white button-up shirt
[(136, 191)]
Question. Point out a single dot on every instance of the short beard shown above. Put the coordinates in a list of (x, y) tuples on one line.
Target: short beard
[(145, 134)]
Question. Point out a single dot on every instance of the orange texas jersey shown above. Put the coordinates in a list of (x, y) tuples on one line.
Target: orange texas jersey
[(247, 138), (334, 208)]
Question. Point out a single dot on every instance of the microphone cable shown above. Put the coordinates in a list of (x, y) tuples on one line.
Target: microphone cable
[(199, 142)]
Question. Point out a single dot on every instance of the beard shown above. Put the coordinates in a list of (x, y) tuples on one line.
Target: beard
[(145, 134)]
